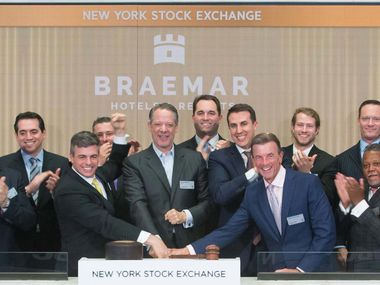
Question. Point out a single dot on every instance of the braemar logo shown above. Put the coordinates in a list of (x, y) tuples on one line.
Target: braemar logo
[(151, 89), (168, 49)]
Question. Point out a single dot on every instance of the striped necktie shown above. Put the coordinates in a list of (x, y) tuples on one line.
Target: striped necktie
[(35, 169)]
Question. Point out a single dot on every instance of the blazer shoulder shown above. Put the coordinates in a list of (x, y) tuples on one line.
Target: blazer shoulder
[(352, 151), (190, 143)]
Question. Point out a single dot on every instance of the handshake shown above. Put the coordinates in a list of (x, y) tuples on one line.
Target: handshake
[(159, 250)]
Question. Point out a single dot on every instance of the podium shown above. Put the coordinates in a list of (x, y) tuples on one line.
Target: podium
[(96, 271)]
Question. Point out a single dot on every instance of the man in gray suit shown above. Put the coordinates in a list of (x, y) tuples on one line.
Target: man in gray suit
[(359, 204), (166, 186)]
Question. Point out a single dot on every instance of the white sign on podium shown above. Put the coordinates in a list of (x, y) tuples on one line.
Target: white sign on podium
[(96, 271)]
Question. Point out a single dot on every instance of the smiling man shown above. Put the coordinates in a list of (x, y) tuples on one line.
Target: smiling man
[(290, 209), (359, 203), (230, 172), (30, 160), (303, 155), (85, 205), (207, 115), (166, 186)]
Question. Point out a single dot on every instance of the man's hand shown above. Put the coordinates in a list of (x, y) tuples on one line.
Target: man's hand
[(288, 270), (135, 146), (355, 189), (119, 123), (222, 144), (174, 217), (158, 248), (342, 256), (33, 185), (179, 251), (3, 192), (104, 152), (201, 148), (303, 162), (340, 184), (52, 181)]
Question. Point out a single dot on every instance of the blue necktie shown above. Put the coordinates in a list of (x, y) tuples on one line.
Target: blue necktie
[(35, 169)]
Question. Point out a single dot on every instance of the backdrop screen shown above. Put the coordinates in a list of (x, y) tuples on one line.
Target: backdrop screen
[(73, 63)]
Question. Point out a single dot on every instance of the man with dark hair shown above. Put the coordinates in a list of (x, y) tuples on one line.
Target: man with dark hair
[(206, 118), (166, 186), (230, 172), (30, 160), (303, 155), (359, 216), (290, 209), (84, 205), (103, 129)]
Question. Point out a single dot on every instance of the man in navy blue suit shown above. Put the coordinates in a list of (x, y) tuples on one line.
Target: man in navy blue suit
[(289, 207), (229, 175)]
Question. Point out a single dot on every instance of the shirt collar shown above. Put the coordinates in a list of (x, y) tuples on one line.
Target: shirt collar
[(306, 151), (160, 153), (241, 150), (363, 145), (279, 180), (88, 179), (26, 156), (213, 141)]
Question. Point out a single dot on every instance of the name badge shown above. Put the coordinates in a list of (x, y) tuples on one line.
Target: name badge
[(294, 220), (186, 184)]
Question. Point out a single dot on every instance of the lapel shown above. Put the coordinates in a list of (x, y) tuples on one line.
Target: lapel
[(87, 187), (154, 163), (179, 158), (287, 197), (354, 154), (266, 212), (375, 200), (18, 164), (237, 160), (194, 144), (106, 186)]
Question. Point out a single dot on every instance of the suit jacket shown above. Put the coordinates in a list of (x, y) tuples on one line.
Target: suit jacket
[(48, 237), (150, 195), (192, 143), (320, 167), (306, 218), (19, 214), (362, 235), (227, 184), (86, 219)]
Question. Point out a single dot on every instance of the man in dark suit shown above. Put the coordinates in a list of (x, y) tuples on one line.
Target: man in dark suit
[(30, 134), (16, 213), (359, 203), (290, 209), (303, 155), (103, 128), (206, 117), (166, 186), (349, 162), (85, 205), (229, 175)]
